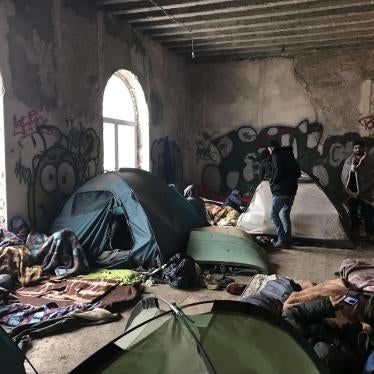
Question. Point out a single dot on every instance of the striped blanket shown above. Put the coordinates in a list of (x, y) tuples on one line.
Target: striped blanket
[(73, 289)]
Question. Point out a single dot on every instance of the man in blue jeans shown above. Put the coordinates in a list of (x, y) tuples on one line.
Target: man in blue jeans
[(283, 184)]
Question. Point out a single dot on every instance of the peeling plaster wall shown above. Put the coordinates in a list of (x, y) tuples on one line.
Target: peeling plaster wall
[(228, 96), (55, 61), (311, 103), (333, 83), (236, 93)]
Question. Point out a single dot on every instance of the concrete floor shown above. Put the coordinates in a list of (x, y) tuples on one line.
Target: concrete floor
[(61, 353)]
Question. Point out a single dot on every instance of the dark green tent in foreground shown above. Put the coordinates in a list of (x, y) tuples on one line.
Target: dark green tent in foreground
[(11, 358), (232, 337)]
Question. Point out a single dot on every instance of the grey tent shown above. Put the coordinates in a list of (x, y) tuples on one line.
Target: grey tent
[(231, 337), (128, 219), (314, 216)]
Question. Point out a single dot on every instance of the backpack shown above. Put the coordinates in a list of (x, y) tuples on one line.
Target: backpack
[(181, 271)]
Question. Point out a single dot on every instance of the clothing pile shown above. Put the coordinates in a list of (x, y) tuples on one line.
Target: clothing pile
[(52, 299), (336, 317)]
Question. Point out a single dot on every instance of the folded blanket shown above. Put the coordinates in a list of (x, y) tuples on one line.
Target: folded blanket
[(123, 276), (74, 289)]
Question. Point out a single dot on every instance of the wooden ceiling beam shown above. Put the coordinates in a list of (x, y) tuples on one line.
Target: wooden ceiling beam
[(146, 6), (308, 21), (301, 31), (362, 6), (278, 53), (199, 8), (283, 44), (281, 8), (276, 35)]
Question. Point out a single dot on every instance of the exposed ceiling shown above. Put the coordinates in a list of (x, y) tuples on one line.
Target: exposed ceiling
[(236, 29)]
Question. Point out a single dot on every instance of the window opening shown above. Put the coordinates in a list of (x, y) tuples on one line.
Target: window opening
[(120, 124)]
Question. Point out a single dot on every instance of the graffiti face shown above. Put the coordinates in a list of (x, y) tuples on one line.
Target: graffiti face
[(206, 150), (225, 146), (251, 167), (61, 163), (54, 180), (247, 134)]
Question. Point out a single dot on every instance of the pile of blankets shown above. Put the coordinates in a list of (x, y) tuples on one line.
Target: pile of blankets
[(355, 276), (59, 254)]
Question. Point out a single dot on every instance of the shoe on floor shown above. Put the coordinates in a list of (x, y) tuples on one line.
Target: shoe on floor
[(212, 282), (236, 288), (278, 244)]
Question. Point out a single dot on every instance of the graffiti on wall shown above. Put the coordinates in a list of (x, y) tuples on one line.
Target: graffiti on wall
[(23, 173), (166, 159), (206, 149), (238, 158), (27, 125), (59, 163), (367, 122)]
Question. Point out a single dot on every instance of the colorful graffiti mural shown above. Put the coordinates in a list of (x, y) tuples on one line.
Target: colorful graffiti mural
[(167, 160), (236, 159), (59, 163)]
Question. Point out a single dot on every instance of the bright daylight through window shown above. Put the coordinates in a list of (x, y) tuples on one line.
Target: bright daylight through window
[(120, 124)]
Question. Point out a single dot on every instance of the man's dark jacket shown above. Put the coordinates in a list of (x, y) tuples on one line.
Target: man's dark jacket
[(284, 172), (340, 349)]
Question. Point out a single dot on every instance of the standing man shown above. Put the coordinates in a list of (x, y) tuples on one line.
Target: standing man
[(358, 180), (283, 184)]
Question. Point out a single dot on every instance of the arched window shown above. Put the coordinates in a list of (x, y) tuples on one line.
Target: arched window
[(125, 127)]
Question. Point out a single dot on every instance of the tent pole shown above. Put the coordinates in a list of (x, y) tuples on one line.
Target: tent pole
[(184, 320)]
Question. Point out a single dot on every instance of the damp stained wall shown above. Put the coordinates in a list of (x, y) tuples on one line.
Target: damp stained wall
[(55, 59), (208, 123), (312, 103)]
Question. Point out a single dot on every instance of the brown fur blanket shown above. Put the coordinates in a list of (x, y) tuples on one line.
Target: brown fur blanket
[(335, 289)]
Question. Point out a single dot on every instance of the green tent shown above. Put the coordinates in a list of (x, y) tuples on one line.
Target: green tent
[(231, 337), (11, 357), (226, 245)]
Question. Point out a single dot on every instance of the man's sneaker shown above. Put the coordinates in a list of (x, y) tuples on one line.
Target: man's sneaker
[(278, 244)]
